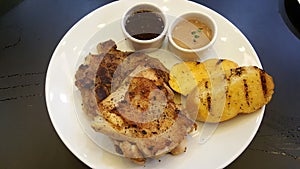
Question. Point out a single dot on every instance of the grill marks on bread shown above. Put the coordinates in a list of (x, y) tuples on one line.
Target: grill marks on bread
[(263, 77), (260, 79), (246, 89)]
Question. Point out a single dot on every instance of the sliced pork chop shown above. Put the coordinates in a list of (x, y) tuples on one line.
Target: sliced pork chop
[(128, 97), (102, 73), (141, 116), (93, 77)]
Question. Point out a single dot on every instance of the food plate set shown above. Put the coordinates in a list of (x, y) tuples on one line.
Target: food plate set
[(228, 140)]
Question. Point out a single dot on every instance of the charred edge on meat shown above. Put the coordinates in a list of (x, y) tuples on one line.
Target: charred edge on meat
[(161, 74), (136, 126), (118, 150), (101, 92)]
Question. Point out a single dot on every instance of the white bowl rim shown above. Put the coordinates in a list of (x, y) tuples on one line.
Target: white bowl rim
[(161, 35), (198, 49)]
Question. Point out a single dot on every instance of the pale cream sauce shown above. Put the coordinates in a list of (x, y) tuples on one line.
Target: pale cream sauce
[(191, 34)]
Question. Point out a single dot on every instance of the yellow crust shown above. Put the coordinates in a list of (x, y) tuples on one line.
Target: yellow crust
[(246, 90), (185, 76)]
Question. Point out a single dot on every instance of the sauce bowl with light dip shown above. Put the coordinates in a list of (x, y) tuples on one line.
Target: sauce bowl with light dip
[(145, 26), (191, 35)]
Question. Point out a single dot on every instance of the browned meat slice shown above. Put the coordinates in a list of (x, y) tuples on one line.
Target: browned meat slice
[(102, 73), (128, 97), (141, 116), (94, 76)]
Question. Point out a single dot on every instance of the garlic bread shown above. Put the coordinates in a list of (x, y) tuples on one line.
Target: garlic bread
[(185, 76), (244, 90)]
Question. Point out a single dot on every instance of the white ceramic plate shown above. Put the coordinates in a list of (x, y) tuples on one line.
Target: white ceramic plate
[(227, 142)]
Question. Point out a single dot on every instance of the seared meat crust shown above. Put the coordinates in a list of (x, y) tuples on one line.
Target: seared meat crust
[(128, 97), (102, 73), (142, 112), (93, 77)]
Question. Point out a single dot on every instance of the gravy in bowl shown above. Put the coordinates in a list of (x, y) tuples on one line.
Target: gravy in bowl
[(144, 25), (191, 33)]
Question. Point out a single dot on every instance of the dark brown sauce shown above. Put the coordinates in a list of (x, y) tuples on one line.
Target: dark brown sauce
[(144, 25)]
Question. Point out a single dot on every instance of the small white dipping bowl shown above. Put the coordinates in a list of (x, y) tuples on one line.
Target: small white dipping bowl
[(192, 54), (139, 44)]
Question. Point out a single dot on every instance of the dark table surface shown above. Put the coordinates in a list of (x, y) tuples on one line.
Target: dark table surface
[(30, 31)]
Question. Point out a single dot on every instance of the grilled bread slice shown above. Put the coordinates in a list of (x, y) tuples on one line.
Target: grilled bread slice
[(243, 90), (185, 76)]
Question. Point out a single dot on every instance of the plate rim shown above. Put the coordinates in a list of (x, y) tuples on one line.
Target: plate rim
[(50, 65)]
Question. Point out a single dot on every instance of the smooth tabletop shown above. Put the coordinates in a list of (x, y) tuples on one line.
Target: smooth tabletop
[(30, 32)]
